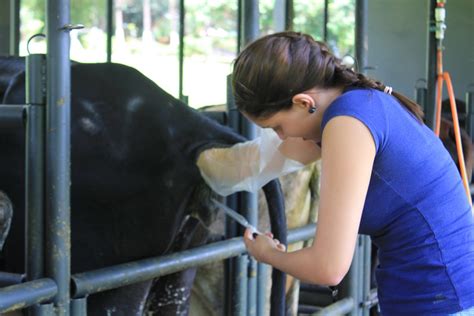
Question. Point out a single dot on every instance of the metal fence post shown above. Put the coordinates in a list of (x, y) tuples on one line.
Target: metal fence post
[(34, 169), (421, 93), (79, 307), (470, 113), (366, 273), (34, 181), (250, 31), (58, 243)]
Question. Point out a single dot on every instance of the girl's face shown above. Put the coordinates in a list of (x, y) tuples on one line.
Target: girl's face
[(294, 122), (298, 121)]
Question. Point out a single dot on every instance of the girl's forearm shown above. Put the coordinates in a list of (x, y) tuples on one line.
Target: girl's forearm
[(305, 265)]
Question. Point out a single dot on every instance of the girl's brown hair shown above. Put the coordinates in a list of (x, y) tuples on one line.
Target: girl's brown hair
[(274, 68)]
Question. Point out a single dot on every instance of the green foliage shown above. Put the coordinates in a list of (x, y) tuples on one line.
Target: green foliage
[(309, 18), (341, 27), (91, 13), (32, 17), (216, 19), (210, 36), (211, 25), (266, 8)]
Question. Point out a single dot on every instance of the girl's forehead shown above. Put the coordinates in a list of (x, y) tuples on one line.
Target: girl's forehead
[(274, 120)]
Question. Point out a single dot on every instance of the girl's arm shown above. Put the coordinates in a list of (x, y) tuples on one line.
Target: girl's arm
[(348, 152), (304, 151)]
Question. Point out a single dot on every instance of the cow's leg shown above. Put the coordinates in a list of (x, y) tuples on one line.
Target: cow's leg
[(170, 294), (6, 213)]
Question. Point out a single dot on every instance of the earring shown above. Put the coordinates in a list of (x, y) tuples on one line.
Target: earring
[(312, 110)]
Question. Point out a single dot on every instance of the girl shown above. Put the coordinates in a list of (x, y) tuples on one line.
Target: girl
[(384, 174)]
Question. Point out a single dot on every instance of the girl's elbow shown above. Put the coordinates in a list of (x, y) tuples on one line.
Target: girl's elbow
[(335, 276), (329, 278), (335, 279)]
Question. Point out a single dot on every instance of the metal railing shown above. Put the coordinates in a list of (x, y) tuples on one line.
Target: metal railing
[(49, 288), (86, 283)]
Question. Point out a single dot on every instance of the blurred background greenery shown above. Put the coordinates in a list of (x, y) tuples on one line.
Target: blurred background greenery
[(146, 37)]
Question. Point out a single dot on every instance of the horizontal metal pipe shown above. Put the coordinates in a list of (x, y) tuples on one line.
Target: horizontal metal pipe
[(128, 273), (7, 278), (26, 294), (12, 116), (371, 300), (340, 307), (301, 233)]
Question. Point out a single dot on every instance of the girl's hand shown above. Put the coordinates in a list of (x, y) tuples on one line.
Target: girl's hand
[(261, 246)]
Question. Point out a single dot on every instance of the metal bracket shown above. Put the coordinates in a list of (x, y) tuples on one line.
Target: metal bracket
[(32, 37), (70, 27)]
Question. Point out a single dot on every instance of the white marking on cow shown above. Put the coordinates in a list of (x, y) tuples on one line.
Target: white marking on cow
[(134, 103), (171, 131), (174, 296), (88, 126), (169, 183)]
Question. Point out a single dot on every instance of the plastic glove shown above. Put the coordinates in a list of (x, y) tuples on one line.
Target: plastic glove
[(246, 166)]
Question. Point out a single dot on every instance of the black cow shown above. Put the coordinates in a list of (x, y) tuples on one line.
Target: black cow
[(134, 181)]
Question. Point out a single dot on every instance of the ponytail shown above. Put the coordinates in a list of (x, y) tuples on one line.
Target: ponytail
[(351, 78)]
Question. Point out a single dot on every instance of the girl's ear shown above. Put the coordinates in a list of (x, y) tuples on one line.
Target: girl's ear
[(304, 101)]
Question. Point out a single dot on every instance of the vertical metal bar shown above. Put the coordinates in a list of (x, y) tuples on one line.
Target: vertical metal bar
[(470, 113), (58, 161), (34, 169), (232, 281), (361, 36), (279, 15), (360, 276), (110, 28), (357, 271), (250, 31), (326, 20), (366, 275), (255, 289), (353, 279), (290, 12), (34, 166), (431, 69), (44, 310), (250, 204), (181, 47), (234, 115), (79, 307), (421, 93), (240, 286), (250, 21), (239, 25), (14, 27), (262, 275), (348, 287), (228, 285)]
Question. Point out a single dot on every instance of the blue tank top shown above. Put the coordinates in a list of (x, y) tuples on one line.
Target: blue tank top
[(416, 210)]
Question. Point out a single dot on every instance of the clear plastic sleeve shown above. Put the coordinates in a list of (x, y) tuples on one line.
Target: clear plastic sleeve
[(246, 166)]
